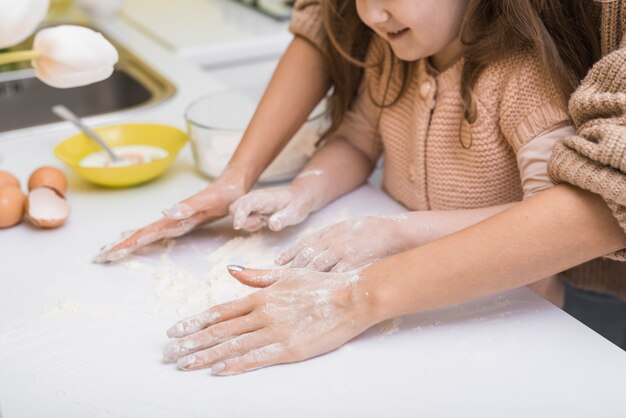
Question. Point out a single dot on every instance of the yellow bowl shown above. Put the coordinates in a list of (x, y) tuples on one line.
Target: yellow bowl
[(73, 149)]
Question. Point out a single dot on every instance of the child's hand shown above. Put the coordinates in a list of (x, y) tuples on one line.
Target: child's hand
[(274, 207), (347, 245), (302, 314), (208, 205)]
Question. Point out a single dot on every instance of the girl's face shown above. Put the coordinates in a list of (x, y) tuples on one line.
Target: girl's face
[(416, 29)]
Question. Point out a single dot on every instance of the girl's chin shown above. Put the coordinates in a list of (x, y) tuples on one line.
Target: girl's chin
[(406, 55)]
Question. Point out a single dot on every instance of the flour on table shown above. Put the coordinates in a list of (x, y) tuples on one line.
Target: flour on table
[(94, 311), (194, 291)]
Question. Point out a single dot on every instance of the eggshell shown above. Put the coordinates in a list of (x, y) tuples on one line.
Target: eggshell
[(44, 208), (50, 177), (11, 206)]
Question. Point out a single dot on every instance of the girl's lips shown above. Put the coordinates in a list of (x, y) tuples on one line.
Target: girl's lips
[(392, 36)]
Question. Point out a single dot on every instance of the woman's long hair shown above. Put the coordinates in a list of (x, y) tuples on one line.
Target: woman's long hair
[(562, 34)]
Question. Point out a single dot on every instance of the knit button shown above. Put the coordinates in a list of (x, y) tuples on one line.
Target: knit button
[(425, 89), (412, 173)]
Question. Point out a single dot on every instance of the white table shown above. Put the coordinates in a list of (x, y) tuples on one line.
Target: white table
[(83, 340), (78, 339)]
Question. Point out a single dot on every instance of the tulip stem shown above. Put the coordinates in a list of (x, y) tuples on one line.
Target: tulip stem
[(9, 57)]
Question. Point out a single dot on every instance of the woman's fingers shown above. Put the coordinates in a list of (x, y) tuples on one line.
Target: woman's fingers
[(268, 355), (237, 346), (210, 337), (214, 315), (256, 277)]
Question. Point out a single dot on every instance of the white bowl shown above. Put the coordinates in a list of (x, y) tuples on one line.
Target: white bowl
[(216, 124)]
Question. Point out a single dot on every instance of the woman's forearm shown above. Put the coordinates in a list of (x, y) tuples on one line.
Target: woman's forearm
[(293, 92), (551, 232)]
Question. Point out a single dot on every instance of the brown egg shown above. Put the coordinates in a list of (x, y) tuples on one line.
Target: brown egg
[(45, 208), (48, 177), (8, 179), (11, 206)]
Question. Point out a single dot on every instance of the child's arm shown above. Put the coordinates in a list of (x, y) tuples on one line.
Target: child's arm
[(293, 92), (343, 163), (337, 168), (357, 242), (349, 245)]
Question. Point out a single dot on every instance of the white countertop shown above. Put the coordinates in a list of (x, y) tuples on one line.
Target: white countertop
[(209, 32), (85, 340)]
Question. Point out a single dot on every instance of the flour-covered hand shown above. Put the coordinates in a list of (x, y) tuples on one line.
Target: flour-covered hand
[(347, 245), (274, 207), (208, 205), (301, 314)]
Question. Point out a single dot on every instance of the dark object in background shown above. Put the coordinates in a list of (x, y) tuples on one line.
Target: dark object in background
[(602, 312), (278, 9)]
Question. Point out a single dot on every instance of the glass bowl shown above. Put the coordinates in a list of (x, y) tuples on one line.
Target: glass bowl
[(216, 124)]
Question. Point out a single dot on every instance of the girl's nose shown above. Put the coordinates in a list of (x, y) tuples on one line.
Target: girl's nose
[(376, 11)]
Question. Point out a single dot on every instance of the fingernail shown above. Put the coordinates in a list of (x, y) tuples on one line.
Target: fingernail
[(117, 255), (176, 331), (171, 352), (234, 267), (185, 362), (179, 211), (274, 225), (99, 259), (217, 368)]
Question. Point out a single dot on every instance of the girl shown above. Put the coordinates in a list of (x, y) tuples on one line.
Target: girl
[(467, 116)]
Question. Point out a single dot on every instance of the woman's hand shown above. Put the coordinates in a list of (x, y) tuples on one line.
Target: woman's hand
[(274, 207), (208, 205), (348, 245), (302, 314)]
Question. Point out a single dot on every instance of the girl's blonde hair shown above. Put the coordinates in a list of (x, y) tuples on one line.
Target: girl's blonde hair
[(562, 33)]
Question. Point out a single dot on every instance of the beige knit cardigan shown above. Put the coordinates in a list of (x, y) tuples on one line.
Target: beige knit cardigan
[(595, 158)]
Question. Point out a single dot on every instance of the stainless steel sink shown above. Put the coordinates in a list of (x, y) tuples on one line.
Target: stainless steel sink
[(25, 101)]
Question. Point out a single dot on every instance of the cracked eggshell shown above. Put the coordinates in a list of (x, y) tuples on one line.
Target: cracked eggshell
[(8, 179), (50, 177), (45, 208), (11, 206)]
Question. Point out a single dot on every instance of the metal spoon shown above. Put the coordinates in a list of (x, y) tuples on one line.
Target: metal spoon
[(66, 114)]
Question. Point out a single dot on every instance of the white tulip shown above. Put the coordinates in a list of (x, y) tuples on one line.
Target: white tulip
[(101, 8), (73, 56), (19, 18)]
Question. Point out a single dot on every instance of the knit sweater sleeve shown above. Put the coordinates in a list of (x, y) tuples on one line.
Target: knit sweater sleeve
[(307, 23), (595, 158), (531, 102)]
